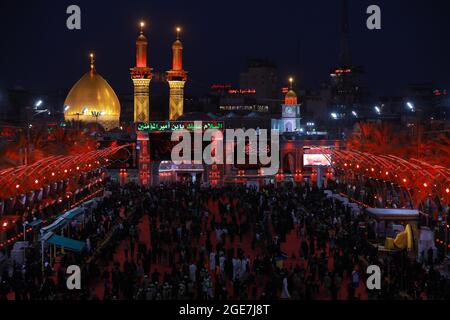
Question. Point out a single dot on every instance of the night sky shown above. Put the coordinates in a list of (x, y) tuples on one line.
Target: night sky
[(38, 52)]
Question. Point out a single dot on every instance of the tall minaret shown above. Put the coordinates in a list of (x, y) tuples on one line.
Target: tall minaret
[(141, 75), (177, 78)]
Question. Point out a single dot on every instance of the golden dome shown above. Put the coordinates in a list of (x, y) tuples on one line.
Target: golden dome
[(92, 99), (291, 98), (291, 94)]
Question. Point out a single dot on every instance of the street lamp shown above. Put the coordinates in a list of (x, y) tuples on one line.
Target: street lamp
[(418, 115), (25, 224), (377, 110), (29, 126), (96, 114)]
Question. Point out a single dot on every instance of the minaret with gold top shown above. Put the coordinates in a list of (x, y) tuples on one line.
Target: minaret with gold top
[(177, 78), (291, 111), (141, 75)]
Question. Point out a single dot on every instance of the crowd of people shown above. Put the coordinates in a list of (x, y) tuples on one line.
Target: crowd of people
[(185, 242)]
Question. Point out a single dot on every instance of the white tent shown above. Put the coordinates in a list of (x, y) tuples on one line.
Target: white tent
[(394, 214)]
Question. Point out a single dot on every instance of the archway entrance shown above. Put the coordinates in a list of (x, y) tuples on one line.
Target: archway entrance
[(169, 173), (289, 163)]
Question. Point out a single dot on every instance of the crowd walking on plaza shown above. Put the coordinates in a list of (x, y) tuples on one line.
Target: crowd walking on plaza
[(185, 242)]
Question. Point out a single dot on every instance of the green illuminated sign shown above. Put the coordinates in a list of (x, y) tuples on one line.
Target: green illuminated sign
[(170, 126)]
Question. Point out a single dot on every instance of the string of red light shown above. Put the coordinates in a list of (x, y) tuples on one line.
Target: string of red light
[(424, 178), (18, 236)]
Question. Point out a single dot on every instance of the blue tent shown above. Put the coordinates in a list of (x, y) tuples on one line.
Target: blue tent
[(63, 220), (59, 223), (66, 243), (35, 223), (72, 214)]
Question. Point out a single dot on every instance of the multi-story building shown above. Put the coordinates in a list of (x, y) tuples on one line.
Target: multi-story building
[(261, 79)]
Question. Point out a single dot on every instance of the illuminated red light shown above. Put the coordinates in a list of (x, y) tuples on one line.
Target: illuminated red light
[(343, 70), (373, 170), (65, 171), (425, 185), (36, 181), (404, 180), (53, 174), (387, 173), (5, 224), (447, 190), (17, 186)]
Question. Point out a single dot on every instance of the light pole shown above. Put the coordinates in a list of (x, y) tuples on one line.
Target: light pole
[(96, 114), (413, 109), (377, 110), (25, 223), (335, 117), (78, 121), (29, 126)]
